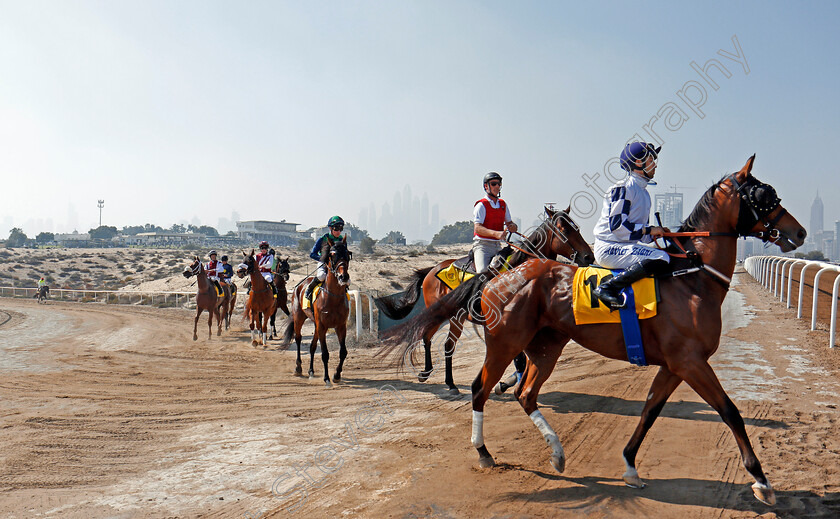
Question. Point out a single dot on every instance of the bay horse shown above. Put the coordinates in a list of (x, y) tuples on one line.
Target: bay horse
[(261, 302), (535, 315), (330, 309), (557, 235), (43, 293), (230, 287), (280, 277), (206, 299)]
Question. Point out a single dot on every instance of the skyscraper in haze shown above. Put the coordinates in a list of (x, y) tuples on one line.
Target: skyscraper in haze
[(424, 215), (816, 218), (670, 208), (372, 219)]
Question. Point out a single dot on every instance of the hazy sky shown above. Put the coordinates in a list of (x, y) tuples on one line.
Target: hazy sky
[(173, 110)]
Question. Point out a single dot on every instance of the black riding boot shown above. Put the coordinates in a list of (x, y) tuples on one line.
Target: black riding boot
[(610, 291), (307, 294)]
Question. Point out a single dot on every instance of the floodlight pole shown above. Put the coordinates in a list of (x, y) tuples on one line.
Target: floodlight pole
[(100, 204)]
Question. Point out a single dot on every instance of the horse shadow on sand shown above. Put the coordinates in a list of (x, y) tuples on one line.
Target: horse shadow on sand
[(587, 494), (563, 402)]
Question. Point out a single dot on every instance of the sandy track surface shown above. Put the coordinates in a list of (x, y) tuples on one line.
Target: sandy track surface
[(115, 412)]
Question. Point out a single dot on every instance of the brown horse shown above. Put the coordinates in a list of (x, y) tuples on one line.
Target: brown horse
[(232, 289), (281, 276), (206, 298), (330, 309), (532, 311), (260, 303), (558, 235)]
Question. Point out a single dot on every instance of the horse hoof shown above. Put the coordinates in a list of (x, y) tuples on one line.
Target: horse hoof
[(764, 493), (633, 481), (195, 337), (559, 463), (499, 390), (486, 462), (423, 376), (327, 383), (337, 377), (254, 343), (454, 391)]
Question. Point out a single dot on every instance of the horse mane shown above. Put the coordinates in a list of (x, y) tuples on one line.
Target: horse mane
[(519, 255), (703, 210)]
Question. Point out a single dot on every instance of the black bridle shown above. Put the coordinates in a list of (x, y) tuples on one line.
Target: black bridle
[(196, 268), (758, 201), (334, 263)]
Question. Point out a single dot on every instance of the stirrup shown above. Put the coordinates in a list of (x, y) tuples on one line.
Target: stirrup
[(609, 304)]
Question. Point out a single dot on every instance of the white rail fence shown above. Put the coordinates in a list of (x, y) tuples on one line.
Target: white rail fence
[(163, 299), (773, 271)]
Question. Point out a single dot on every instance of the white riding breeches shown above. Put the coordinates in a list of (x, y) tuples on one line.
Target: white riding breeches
[(483, 252), (612, 255), (321, 272)]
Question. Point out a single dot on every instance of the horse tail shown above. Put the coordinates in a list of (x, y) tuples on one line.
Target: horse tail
[(398, 306), (459, 302), (288, 332)]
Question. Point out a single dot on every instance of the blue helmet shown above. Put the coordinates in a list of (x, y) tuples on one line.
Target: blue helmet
[(637, 151)]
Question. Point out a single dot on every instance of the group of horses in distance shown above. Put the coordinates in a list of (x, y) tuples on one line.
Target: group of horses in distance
[(330, 308), (532, 303)]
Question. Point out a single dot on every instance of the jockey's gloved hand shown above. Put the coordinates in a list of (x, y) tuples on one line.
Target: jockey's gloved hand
[(271, 251)]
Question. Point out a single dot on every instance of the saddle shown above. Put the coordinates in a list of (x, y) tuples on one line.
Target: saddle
[(307, 302), (588, 309), (466, 264)]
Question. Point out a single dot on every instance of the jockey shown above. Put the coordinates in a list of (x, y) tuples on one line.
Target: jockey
[(319, 250), (623, 224), (42, 283), (265, 261), (227, 271), (214, 270), (490, 218)]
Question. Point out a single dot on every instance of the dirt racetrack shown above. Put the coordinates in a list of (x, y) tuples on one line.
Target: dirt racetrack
[(115, 412)]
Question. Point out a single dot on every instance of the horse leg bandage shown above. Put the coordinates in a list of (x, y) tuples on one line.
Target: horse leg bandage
[(478, 429)]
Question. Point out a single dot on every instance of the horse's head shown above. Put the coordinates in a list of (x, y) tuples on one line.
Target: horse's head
[(759, 211), (339, 262), (283, 268), (249, 263), (564, 238), (194, 269)]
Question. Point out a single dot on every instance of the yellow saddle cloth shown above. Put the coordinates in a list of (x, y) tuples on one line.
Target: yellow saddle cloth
[(452, 276), (588, 309), (307, 303)]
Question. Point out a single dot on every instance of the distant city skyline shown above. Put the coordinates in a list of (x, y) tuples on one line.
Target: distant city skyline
[(409, 214)]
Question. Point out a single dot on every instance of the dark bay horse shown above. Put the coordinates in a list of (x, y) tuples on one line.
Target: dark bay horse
[(261, 302), (558, 235), (43, 293), (535, 315), (280, 277), (206, 298), (330, 309), (231, 287)]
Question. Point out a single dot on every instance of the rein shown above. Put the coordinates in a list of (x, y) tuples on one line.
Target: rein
[(526, 240)]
